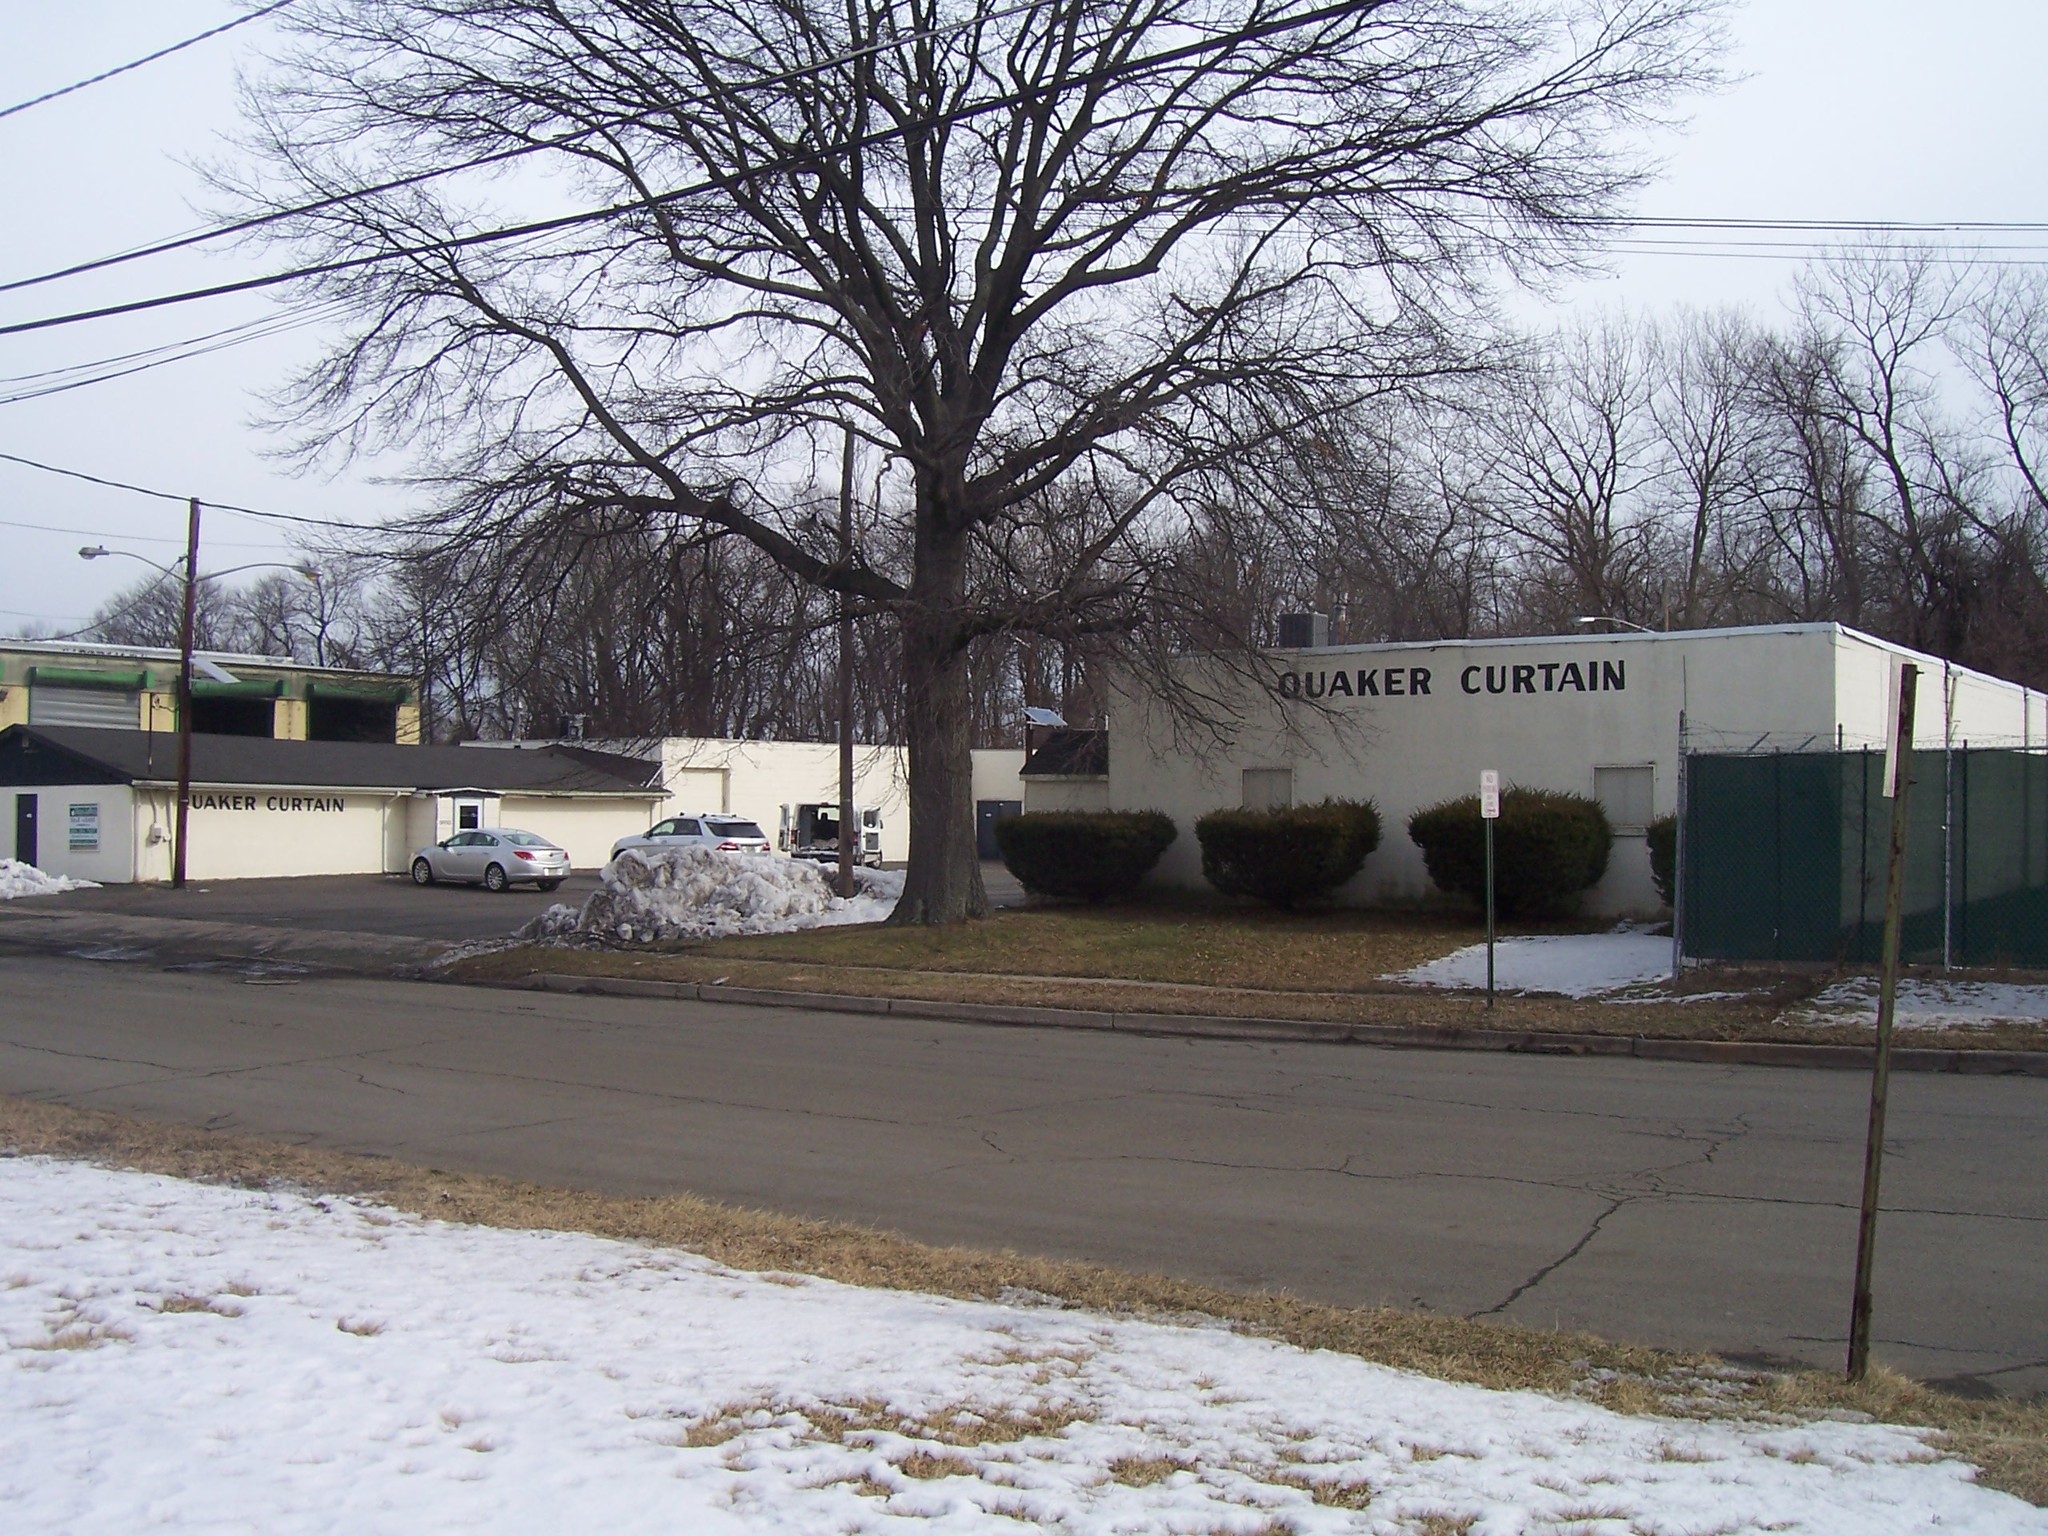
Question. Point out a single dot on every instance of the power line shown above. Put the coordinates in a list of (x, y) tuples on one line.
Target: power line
[(161, 53), (399, 183), (179, 496), (133, 538)]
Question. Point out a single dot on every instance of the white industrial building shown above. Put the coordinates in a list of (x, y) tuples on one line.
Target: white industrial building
[(759, 779), (96, 803), (1407, 725)]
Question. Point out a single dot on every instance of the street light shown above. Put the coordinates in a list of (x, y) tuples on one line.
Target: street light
[(190, 563), (1608, 618)]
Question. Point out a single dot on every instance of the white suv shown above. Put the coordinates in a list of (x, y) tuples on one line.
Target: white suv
[(730, 834)]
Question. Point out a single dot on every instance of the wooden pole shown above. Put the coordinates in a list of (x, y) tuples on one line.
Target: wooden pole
[(849, 828), (1887, 999), (182, 814)]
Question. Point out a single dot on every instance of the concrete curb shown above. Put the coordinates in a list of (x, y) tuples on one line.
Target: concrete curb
[(1395, 1036)]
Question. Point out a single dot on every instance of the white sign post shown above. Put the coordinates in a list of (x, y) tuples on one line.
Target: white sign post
[(1489, 813)]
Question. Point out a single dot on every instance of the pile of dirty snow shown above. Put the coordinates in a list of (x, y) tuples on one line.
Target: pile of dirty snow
[(195, 1357), (19, 879), (1931, 1003), (1572, 964), (652, 895)]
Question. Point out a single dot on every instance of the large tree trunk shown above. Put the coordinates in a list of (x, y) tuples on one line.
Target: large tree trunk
[(943, 884)]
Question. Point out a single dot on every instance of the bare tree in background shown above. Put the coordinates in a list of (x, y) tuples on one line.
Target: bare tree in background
[(1015, 247)]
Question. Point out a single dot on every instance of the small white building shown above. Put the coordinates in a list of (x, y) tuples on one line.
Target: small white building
[(756, 779), (1408, 725), (100, 804)]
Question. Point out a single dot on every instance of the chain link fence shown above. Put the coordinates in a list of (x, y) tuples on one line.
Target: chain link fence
[(1782, 856)]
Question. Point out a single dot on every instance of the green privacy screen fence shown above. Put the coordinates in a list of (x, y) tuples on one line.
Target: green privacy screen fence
[(1783, 857)]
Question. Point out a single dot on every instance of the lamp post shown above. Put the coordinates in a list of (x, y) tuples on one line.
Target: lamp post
[(190, 563), (1585, 619)]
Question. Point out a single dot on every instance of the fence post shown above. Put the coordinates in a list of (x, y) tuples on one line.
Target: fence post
[(1678, 865)]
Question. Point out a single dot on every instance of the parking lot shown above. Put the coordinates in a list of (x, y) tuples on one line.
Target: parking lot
[(390, 905), (381, 904)]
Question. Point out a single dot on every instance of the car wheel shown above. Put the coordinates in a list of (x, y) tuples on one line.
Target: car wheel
[(422, 872), (547, 885), (494, 878)]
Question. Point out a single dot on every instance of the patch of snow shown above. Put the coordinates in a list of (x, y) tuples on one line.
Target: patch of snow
[(186, 1357), (1572, 964), (1931, 1003), (653, 895), (19, 879)]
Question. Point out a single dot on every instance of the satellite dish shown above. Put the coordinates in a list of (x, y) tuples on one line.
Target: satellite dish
[(1033, 715)]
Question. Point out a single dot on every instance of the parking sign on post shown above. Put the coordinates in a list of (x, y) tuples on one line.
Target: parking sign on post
[(1489, 813)]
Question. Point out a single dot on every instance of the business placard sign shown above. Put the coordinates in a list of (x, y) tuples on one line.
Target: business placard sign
[(1593, 675), (82, 827)]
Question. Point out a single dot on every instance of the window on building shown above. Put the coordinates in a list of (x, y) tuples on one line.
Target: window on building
[(214, 716), (330, 718), (1627, 794), (469, 817), (1268, 789)]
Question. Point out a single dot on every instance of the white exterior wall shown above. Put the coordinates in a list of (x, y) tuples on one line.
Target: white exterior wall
[(585, 826), (111, 863), (245, 831), (998, 773), (1781, 687)]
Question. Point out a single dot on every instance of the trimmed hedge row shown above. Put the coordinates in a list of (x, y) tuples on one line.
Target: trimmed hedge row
[(1663, 838), (1290, 855), (1548, 847), (1083, 855)]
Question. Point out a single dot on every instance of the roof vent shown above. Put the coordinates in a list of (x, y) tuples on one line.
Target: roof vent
[(1304, 631)]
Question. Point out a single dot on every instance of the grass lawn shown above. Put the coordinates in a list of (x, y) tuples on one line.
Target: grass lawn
[(1218, 962)]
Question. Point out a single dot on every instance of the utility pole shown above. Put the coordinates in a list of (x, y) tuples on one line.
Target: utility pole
[(182, 814), (1899, 779), (849, 830)]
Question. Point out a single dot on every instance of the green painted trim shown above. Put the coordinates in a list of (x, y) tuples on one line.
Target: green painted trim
[(206, 688), (73, 677), (361, 693)]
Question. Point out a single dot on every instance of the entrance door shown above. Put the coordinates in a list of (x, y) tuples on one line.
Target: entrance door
[(25, 828), (986, 814)]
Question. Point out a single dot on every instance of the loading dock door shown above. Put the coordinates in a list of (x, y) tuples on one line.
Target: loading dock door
[(986, 814), (25, 828)]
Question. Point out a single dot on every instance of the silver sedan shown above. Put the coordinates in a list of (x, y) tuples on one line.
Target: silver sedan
[(495, 859)]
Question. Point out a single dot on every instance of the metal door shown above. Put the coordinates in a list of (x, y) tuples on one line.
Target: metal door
[(25, 828), (986, 814)]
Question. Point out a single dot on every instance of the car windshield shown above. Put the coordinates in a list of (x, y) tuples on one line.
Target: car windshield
[(525, 840), (735, 829)]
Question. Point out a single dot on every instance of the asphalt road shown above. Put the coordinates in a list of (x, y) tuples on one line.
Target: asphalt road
[(1672, 1204)]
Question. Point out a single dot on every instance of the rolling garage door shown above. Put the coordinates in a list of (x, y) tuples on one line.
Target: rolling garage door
[(117, 706)]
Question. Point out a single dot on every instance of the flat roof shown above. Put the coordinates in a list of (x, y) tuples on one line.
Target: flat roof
[(79, 650)]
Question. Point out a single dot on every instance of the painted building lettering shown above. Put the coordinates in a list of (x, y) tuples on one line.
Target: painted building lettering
[(1413, 682), (212, 801)]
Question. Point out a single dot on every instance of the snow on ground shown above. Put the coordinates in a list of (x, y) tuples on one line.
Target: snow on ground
[(1574, 964), (19, 879), (650, 895), (187, 1357), (1931, 1003)]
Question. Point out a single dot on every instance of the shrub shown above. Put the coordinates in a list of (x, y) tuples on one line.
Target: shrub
[(1548, 847), (1663, 838), (1289, 855), (1089, 855)]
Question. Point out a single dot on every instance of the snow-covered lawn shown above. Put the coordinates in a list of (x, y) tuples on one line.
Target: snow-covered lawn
[(1574, 964), (187, 1357), (650, 895), (19, 879), (1931, 1003)]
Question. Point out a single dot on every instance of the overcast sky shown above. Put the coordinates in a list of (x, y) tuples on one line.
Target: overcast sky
[(1843, 109)]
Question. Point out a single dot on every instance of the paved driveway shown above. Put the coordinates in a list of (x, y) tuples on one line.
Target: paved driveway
[(383, 904)]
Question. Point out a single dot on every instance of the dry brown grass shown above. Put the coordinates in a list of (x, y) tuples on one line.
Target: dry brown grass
[(2007, 1440), (1331, 1492), (928, 1466), (1237, 965), (1144, 1471)]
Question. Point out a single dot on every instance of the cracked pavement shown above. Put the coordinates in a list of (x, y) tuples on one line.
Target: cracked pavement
[(1666, 1203)]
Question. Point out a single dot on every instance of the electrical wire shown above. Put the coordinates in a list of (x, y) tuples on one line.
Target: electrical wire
[(210, 505), (499, 157), (134, 538), (161, 53)]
